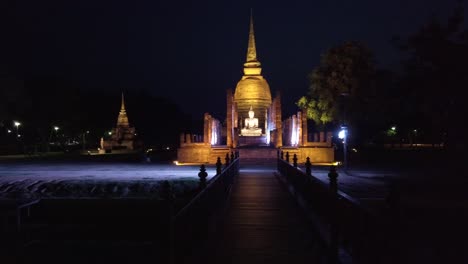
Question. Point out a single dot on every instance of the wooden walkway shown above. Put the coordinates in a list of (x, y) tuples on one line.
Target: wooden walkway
[(262, 225)]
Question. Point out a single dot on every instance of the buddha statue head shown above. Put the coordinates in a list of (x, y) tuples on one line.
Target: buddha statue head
[(251, 113)]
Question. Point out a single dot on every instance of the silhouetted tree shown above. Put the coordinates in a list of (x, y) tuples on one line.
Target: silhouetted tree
[(435, 74), (341, 87)]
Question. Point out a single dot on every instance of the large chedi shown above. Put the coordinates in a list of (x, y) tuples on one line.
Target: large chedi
[(252, 91), (123, 136), (254, 125)]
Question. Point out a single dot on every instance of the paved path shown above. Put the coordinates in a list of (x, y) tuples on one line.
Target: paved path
[(263, 224)]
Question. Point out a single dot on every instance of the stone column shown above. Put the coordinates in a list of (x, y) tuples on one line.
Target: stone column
[(182, 139), (206, 130), (329, 138), (279, 125), (299, 128), (229, 115), (235, 137), (305, 131)]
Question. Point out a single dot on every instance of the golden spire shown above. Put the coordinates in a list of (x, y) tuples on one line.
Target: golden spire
[(122, 119), (122, 106), (251, 51), (252, 65)]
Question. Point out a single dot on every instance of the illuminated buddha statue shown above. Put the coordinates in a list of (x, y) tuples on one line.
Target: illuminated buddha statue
[(251, 125)]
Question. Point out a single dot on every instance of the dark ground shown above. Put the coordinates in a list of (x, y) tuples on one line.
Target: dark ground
[(431, 222)]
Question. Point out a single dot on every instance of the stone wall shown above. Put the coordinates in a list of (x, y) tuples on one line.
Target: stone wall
[(201, 154), (316, 155)]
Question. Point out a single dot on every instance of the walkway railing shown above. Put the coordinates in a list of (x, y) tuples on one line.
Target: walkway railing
[(344, 224), (200, 216)]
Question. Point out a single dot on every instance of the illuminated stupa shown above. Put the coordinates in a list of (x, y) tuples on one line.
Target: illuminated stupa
[(123, 135), (252, 92)]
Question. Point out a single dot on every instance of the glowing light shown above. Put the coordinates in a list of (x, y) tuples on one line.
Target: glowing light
[(354, 150), (342, 134), (176, 162), (9, 131), (168, 148), (19, 135), (56, 128), (110, 133), (17, 124), (393, 128)]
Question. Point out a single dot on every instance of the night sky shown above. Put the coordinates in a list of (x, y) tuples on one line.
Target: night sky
[(192, 52)]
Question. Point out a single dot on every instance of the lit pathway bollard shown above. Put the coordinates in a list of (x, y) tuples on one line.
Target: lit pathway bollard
[(202, 175)]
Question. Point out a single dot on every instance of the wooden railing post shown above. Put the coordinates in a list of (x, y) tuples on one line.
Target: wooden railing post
[(295, 160), (227, 159), (232, 156), (334, 246), (287, 156), (282, 155), (202, 175), (218, 166), (308, 166)]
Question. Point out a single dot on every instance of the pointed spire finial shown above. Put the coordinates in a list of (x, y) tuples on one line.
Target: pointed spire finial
[(122, 106), (252, 50)]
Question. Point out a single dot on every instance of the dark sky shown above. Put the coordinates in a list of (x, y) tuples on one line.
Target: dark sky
[(192, 52)]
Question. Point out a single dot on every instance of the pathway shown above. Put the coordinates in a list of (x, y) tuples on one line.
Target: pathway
[(263, 224)]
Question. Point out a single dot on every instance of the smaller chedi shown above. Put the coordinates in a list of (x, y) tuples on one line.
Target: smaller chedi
[(122, 137), (251, 125)]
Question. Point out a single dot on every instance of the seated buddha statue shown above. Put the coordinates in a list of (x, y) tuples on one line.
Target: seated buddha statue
[(251, 125)]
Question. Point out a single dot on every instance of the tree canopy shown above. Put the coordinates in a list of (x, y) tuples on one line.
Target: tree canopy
[(341, 86), (434, 76)]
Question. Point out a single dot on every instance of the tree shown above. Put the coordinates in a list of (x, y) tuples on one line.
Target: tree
[(341, 86), (434, 76)]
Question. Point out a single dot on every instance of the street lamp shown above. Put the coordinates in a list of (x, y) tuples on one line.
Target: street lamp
[(343, 134), (17, 124)]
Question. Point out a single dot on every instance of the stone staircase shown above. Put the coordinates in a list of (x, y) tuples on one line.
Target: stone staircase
[(257, 156)]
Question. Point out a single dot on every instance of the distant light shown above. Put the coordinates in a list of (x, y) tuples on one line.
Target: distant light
[(168, 148), (19, 135), (87, 132), (9, 131), (56, 128), (415, 130), (17, 124), (342, 134), (354, 150), (393, 128), (176, 162), (110, 133)]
